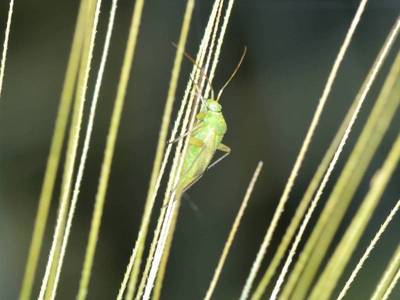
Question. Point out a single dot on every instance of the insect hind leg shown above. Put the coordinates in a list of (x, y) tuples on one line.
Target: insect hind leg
[(223, 148)]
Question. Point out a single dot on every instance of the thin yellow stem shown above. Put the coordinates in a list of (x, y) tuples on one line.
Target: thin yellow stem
[(51, 267), (86, 144), (233, 232), (109, 150), (328, 280), (369, 249), (172, 209), (390, 270), (5, 44), (392, 284), (66, 178), (54, 156), (166, 251)]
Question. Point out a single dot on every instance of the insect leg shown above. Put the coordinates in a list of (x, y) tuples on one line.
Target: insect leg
[(223, 148), (185, 134), (188, 187)]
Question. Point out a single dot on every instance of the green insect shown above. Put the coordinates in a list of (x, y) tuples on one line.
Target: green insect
[(205, 139)]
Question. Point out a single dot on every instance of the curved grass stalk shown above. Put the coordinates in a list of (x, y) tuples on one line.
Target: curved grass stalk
[(328, 280), (368, 251), (54, 156), (109, 149), (290, 232), (233, 232), (333, 212), (5, 44), (91, 24), (212, 23), (303, 150), (86, 144), (391, 269), (136, 259)]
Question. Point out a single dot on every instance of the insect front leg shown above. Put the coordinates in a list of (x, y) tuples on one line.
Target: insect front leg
[(185, 134), (223, 148)]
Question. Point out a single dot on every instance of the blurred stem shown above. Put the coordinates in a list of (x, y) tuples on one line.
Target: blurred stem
[(91, 20), (72, 144), (109, 149), (377, 124), (73, 140), (322, 167), (344, 250), (390, 271), (392, 285), (54, 155), (233, 232), (302, 153), (87, 139), (369, 249)]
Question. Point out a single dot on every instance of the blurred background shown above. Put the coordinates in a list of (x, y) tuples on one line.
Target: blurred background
[(268, 107)]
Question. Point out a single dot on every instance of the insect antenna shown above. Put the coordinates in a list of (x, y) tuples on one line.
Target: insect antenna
[(233, 74), (189, 57), (203, 101)]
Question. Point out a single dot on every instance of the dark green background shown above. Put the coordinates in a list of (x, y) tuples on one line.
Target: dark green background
[(268, 108)]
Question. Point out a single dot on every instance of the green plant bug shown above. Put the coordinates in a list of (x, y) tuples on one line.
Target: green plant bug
[(205, 138)]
